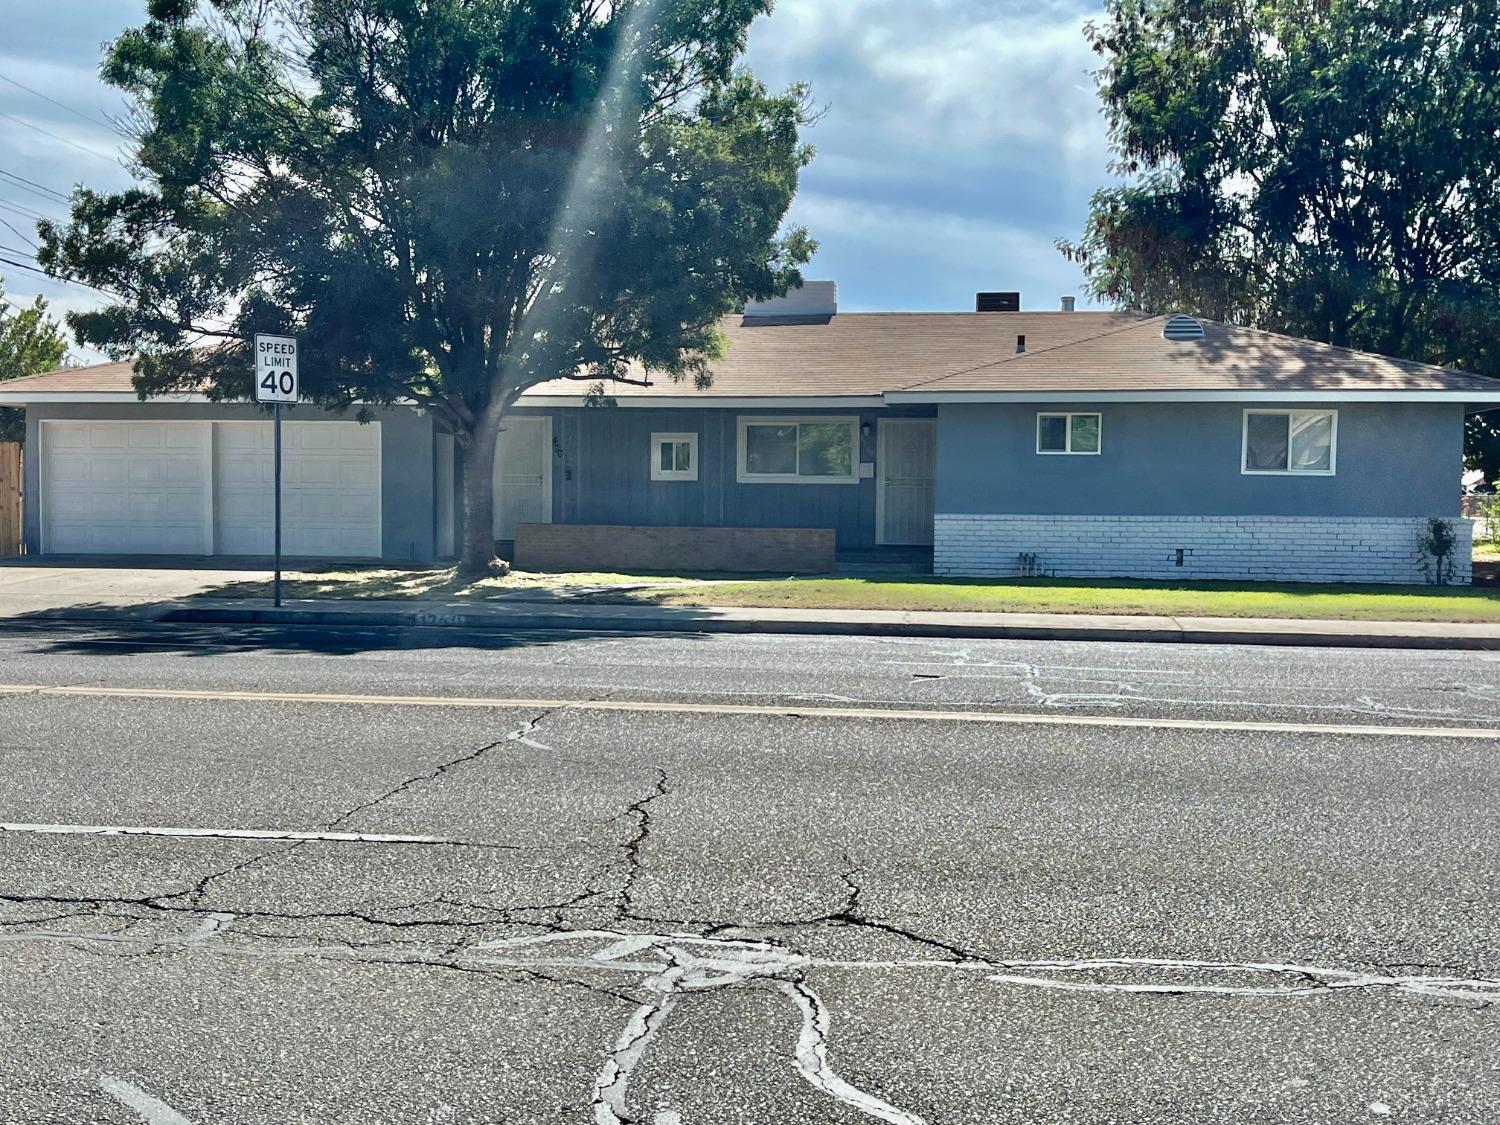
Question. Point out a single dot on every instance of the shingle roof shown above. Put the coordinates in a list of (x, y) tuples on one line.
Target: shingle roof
[(107, 378), (869, 354), (878, 353), (1136, 357)]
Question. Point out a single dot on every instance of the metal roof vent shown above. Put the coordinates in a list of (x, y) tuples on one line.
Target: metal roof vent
[(1182, 327)]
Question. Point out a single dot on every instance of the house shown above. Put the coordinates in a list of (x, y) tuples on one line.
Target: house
[(1009, 442)]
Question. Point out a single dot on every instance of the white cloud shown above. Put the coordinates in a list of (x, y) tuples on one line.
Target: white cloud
[(951, 126)]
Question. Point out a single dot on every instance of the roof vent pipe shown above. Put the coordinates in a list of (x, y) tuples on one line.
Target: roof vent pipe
[(1069, 304), (1020, 344)]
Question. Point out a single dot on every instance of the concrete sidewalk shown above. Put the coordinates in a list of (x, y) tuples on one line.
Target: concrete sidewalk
[(524, 615), (60, 593)]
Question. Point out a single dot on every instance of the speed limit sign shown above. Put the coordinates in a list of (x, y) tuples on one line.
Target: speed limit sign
[(275, 369)]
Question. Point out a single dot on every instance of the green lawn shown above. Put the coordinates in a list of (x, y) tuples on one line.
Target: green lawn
[(1052, 595), (1040, 595)]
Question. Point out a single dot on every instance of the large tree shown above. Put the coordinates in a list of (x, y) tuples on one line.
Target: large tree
[(448, 201), (1327, 168), (30, 342)]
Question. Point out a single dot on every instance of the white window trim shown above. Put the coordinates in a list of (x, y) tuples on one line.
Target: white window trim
[(1069, 451), (658, 473), (743, 476), (1333, 445)]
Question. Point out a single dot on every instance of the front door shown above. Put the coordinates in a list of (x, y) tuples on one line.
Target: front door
[(523, 475), (906, 456)]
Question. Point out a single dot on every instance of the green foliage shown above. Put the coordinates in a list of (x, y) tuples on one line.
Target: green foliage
[(449, 201), (1326, 168), (30, 343)]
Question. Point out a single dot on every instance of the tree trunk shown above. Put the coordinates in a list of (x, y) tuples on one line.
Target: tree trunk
[(478, 469)]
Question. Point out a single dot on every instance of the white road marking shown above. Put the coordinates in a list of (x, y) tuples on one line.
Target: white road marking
[(216, 833), (1001, 718), (151, 1110)]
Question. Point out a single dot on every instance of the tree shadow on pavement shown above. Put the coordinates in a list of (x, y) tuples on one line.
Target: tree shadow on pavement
[(112, 635)]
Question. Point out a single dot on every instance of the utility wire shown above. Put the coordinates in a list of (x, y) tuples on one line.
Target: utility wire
[(35, 188), (55, 280), (29, 212), (58, 137), (19, 233), (61, 105)]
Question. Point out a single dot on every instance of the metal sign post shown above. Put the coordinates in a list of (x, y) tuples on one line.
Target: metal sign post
[(276, 583), (276, 383)]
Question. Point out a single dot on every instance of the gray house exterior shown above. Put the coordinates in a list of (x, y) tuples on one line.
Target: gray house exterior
[(1071, 444)]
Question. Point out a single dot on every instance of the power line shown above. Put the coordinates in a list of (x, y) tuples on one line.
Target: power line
[(58, 137), (61, 105), (35, 188), (22, 266), (28, 212), (10, 226), (49, 277)]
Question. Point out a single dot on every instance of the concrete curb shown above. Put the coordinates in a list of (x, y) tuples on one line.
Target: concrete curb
[(1139, 630)]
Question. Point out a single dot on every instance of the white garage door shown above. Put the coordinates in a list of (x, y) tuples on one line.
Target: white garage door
[(330, 489), (139, 488)]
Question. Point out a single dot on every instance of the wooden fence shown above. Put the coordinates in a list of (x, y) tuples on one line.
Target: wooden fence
[(10, 498)]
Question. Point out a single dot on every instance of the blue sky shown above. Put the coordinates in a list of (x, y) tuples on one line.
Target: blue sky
[(959, 139)]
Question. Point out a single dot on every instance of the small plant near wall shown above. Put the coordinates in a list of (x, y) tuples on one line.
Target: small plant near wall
[(1437, 545)]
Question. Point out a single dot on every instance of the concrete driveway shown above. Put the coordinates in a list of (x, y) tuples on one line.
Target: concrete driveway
[(32, 589)]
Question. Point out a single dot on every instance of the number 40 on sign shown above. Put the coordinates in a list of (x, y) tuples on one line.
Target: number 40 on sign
[(275, 369)]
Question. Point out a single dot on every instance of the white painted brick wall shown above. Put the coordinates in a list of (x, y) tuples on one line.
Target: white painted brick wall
[(1266, 548)]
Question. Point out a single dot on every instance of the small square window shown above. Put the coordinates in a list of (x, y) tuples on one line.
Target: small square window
[(674, 456), (1068, 433)]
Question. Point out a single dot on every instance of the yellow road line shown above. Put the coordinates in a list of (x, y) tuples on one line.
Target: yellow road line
[(998, 718)]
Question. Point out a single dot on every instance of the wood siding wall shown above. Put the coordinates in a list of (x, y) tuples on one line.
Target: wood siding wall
[(10, 498), (601, 475)]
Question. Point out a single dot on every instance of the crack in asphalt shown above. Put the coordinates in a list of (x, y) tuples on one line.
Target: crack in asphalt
[(672, 967), (521, 734), (640, 810)]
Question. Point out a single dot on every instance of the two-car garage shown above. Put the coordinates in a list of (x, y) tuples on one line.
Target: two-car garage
[(206, 488)]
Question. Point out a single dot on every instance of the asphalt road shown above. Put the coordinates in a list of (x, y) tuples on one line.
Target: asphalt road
[(703, 880)]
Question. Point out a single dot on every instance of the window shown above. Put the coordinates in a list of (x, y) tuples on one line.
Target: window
[(674, 456), (798, 451), (1067, 433), (1290, 441)]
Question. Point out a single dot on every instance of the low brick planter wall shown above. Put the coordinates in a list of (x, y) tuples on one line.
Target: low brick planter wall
[(564, 547)]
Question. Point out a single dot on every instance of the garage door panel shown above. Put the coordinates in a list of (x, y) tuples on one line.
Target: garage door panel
[(125, 487), (330, 489), (322, 472), (70, 470)]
